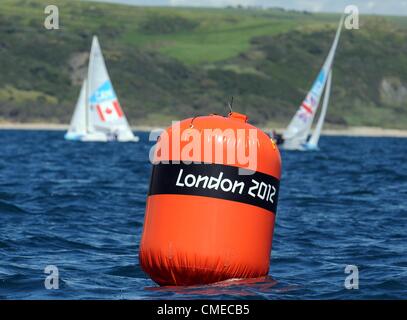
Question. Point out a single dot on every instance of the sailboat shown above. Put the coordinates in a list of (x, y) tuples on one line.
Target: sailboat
[(296, 135), (98, 115)]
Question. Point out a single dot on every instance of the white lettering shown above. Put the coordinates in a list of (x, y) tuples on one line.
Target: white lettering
[(202, 178), (52, 20), (215, 182), (352, 280), (52, 281), (178, 183), (169, 310), (237, 185), (222, 185), (192, 178)]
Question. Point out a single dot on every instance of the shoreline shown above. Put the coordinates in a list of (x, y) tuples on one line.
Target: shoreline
[(349, 132)]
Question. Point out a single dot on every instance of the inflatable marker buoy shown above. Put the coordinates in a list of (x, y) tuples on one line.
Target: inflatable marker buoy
[(212, 202)]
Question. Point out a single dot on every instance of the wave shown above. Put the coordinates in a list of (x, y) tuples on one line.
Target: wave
[(6, 207)]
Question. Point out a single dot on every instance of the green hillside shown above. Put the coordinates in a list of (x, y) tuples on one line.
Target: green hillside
[(170, 63)]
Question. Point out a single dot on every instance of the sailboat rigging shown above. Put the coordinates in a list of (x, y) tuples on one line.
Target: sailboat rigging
[(312, 144)]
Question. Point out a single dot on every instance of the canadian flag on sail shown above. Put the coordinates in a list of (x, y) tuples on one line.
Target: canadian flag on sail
[(109, 111)]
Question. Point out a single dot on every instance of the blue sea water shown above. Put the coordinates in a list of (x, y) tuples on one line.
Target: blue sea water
[(80, 207)]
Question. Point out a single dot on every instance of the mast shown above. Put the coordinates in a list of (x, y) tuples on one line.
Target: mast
[(317, 131), (87, 106), (89, 77)]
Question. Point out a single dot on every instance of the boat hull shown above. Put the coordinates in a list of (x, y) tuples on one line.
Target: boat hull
[(70, 136), (301, 147), (133, 139), (99, 137), (310, 147)]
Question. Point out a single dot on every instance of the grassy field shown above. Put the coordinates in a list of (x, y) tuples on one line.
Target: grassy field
[(170, 63)]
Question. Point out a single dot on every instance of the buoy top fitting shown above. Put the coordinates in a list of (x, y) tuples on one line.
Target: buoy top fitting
[(238, 116)]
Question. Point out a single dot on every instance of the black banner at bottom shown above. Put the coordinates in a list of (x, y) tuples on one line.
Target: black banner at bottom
[(199, 309)]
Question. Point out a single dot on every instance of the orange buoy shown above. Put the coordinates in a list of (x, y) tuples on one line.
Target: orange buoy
[(212, 202)]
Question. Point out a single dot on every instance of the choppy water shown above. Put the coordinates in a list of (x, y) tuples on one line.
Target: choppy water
[(81, 207)]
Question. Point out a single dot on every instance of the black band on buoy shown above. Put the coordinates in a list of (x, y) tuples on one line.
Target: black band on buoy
[(215, 181)]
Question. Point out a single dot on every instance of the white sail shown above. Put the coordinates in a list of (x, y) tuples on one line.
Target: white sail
[(313, 141), (299, 128), (104, 115), (77, 128)]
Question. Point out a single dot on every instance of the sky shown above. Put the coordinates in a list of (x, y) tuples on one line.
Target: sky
[(383, 7)]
